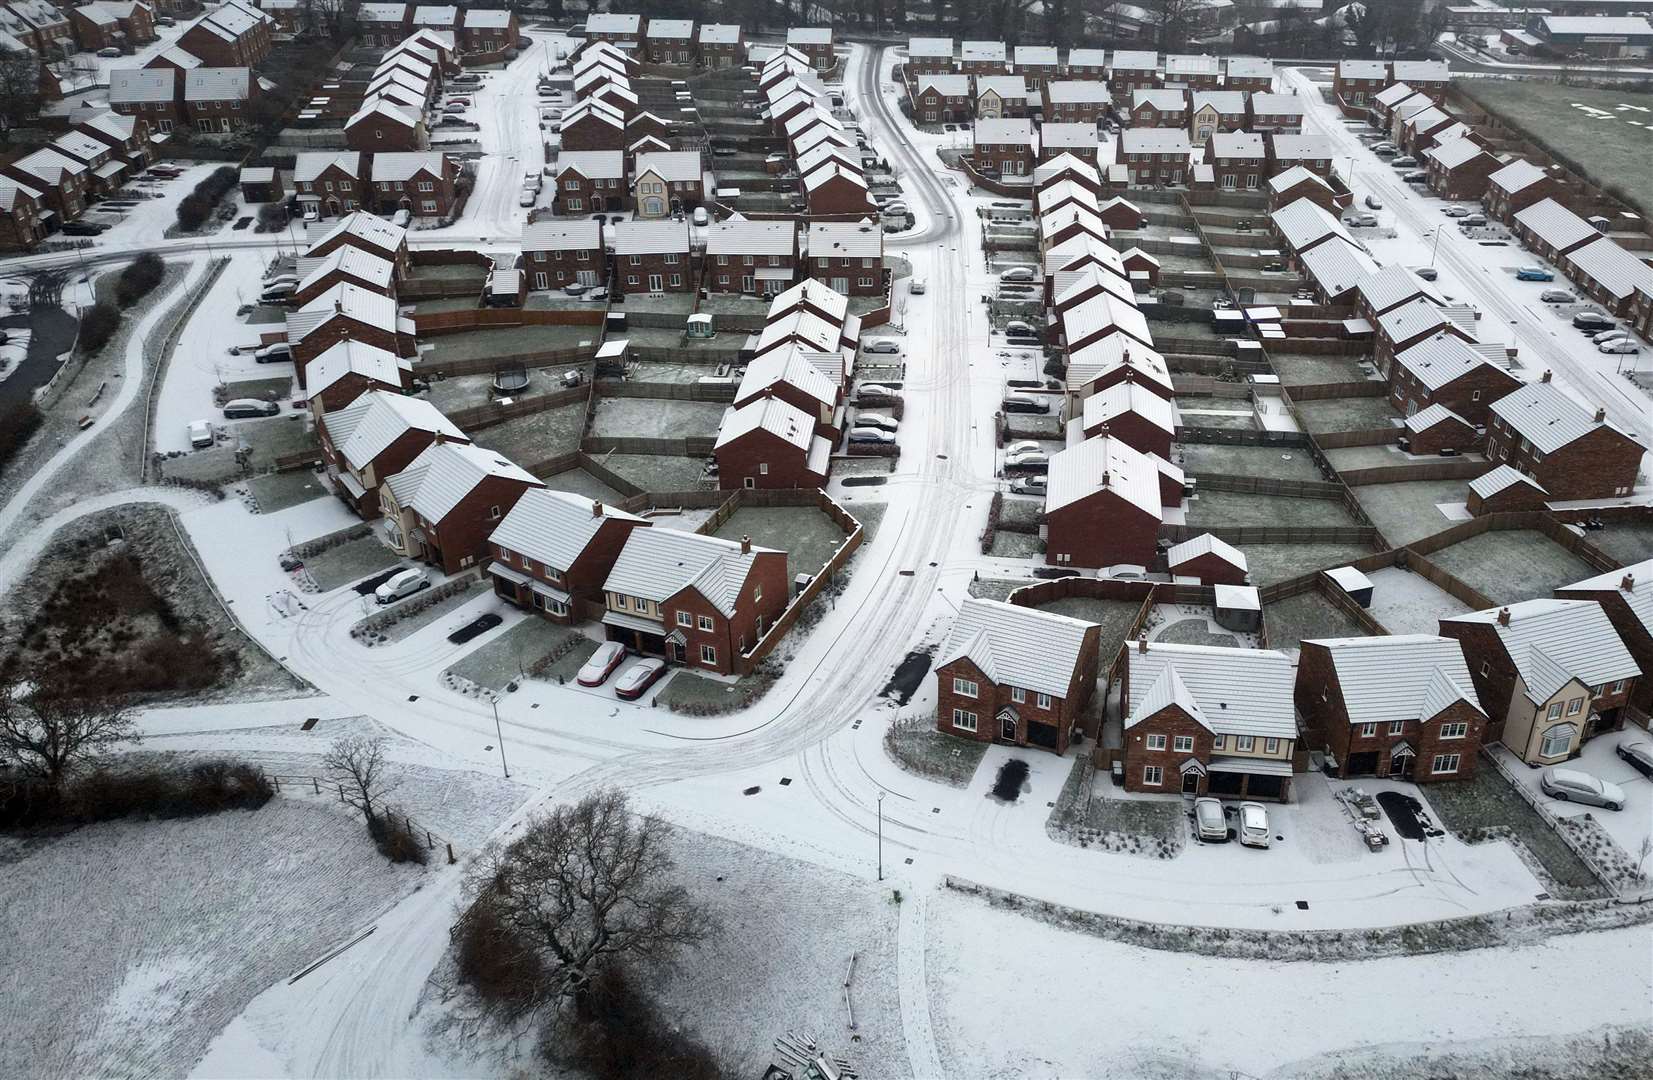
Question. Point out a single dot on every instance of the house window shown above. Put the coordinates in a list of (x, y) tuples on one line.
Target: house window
[(493, 513), (964, 721), (426, 185), (1152, 775), (1397, 726), (1271, 746), (1555, 711), (1444, 763), (1454, 731), (1183, 744), (1557, 740), (1574, 706), (706, 623), (1156, 742), (685, 619), (708, 654), (964, 687), (1220, 743), (1486, 665), (1243, 743), (1618, 687), (1368, 730), (428, 206), (1018, 695), (1042, 701), (621, 602)]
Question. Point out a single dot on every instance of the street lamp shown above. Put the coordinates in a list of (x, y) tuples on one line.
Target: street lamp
[(1437, 245), (880, 836), (500, 736)]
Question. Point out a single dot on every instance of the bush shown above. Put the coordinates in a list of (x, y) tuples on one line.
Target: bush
[(210, 787), (139, 278), (18, 421), (395, 841), (197, 206), (272, 217), (494, 961), (98, 325), (618, 1033)]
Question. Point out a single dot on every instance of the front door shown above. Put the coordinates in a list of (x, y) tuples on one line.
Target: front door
[(1007, 727), (678, 656), (1400, 765), (1191, 782), (656, 283)]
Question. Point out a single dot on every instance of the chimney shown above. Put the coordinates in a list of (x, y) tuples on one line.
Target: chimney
[(438, 438), (1546, 377), (1104, 478), (1629, 583), (1142, 642), (1601, 414), (596, 508), (746, 545), (1503, 616)]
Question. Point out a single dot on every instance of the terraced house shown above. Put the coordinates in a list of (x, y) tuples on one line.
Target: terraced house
[(421, 182)]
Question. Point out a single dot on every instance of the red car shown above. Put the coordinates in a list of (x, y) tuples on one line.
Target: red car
[(603, 662), (638, 678)]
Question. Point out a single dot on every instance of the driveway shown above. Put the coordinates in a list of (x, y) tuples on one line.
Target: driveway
[(1628, 827)]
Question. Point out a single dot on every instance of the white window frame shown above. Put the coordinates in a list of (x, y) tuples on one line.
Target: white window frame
[(1368, 730), (1018, 695), (708, 654), (964, 720), (1183, 744), (1456, 730), (1445, 764), (1042, 701), (685, 619), (966, 687), (1244, 743), (705, 623), (1154, 742), (1152, 776)]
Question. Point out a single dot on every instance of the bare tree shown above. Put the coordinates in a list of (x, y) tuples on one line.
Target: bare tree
[(47, 731), (20, 95), (357, 764), (584, 886)]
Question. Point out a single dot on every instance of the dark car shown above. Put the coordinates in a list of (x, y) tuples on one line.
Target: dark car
[(475, 628), (1054, 572), (1592, 320), (83, 228)]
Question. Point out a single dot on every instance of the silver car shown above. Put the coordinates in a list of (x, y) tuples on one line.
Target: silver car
[(1209, 823), (1571, 785)]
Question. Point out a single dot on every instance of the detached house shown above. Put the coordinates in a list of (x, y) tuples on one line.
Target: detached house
[(1075, 101), (1102, 505), (1249, 74), (1203, 720), (696, 600), (377, 435), (487, 34), (721, 46), (1517, 186), (1275, 113), (233, 35), (590, 180), (1568, 452), (1285, 188), (770, 443), (557, 253), (1003, 147), (1551, 674), (1356, 82), (667, 182), (929, 56), (593, 125), (553, 551), (383, 25), (1155, 156), (381, 125), (1015, 675), (350, 369), (624, 31), (1000, 97), (1401, 706), (1199, 72), (1038, 64), (1237, 159), (1087, 64), (442, 507), (983, 58), (670, 41), (330, 180), (1159, 108), (1133, 70), (1211, 111), (113, 24), (815, 42), (943, 99), (848, 256), (1626, 595)]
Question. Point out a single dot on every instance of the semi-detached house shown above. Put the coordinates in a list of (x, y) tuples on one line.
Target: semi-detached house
[(330, 180), (848, 256), (347, 312), (154, 93), (372, 234), (751, 256), (444, 504), (590, 180), (377, 435), (654, 257), (344, 264), (941, 99), (349, 369), (421, 182), (553, 551), (1444, 369), (1102, 505), (1569, 452), (929, 56), (809, 379), (1155, 156), (1004, 147), (1517, 186), (559, 252), (1015, 675)]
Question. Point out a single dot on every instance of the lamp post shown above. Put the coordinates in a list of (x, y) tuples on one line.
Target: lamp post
[(500, 736), (1436, 247), (880, 836)]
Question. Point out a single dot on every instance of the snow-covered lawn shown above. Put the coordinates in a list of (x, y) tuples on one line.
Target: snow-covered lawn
[(1013, 997), (130, 945)]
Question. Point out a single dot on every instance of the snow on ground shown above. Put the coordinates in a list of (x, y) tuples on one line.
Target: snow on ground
[(1408, 603), (1010, 996), (132, 944), (1630, 827), (145, 224)]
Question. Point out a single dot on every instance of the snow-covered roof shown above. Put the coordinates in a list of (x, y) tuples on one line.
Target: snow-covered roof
[(930, 47), (1304, 222), (990, 51), (1245, 145), (651, 237), (1399, 677), (742, 237), (1228, 691), (310, 164), (11, 191), (1616, 270), (438, 15), (1065, 191), (369, 228), (1017, 646), (81, 146), (366, 427), (1155, 141), (1161, 99), (445, 472), (1293, 176), (1632, 584), (1099, 465), (1411, 319), (1064, 164), (1554, 224), (945, 85), (1007, 87), (809, 35), (1338, 267), (779, 418), (379, 110), (813, 293), (377, 13), (1129, 398), (487, 18), (1422, 71), (672, 166), (355, 357), (1078, 92), (1087, 58), (562, 234), (1491, 483), (616, 23), (1276, 105), (1301, 147), (1432, 416), (793, 367), (1552, 641), (553, 528), (1135, 60), (1441, 358), (1042, 55), (1394, 284), (400, 166), (347, 300), (1250, 67), (1518, 175), (1076, 251), (1362, 69), (364, 266), (49, 166), (719, 33), (1004, 130), (1227, 102), (800, 325), (671, 29), (1205, 544), (657, 564), (1540, 413), (845, 239), (132, 86), (1454, 152), (1103, 357), (1100, 312), (592, 164), (1181, 64)]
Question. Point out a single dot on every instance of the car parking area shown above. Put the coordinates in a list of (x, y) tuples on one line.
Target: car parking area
[(1630, 827)]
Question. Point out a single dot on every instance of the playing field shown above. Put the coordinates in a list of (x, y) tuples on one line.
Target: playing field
[(1606, 135)]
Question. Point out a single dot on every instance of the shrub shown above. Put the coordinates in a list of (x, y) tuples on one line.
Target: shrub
[(98, 325), (272, 217), (197, 206), (495, 962), (18, 421), (192, 212), (618, 1033), (395, 840), (139, 278), (209, 787)]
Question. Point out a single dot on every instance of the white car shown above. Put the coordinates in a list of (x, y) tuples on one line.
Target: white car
[(274, 354), (882, 347), (917, 286), (877, 392), (595, 672), (1023, 446), (400, 584), (1209, 823), (1456, 211), (1253, 825), (1017, 273), (1619, 347), (1028, 485), (200, 434), (1571, 785), (528, 197), (871, 435), (877, 420)]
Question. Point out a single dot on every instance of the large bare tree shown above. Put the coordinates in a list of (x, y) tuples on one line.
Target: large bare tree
[(357, 764), (583, 887), (48, 730)]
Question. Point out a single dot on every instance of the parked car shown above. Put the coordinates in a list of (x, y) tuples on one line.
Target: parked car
[(1373, 202), (1619, 347), (1639, 754), (595, 671), (1472, 221), (1028, 485), (278, 353), (109, 51), (1016, 327), (1404, 161), (1592, 320), (882, 347), (1427, 273), (1017, 273), (277, 294), (877, 420), (638, 678), (1209, 823), (1360, 219), (532, 179), (917, 286), (1416, 176), (1274, 267), (402, 218), (1027, 461), (870, 435), (1254, 825), (1025, 403), (1533, 273), (200, 434), (1023, 446), (243, 408), (701, 217), (1456, 211), (82, 228), (876, 394), (1606, 336), (528, 197), (400, 584), (1557, 296), (1571, 785)]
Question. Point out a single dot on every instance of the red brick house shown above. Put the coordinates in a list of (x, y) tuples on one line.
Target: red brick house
[(1551, 674), (941, 99), (421, 183), (815, 42), (344, 265), (1400, 328), (1437, 429), (1079, 101), (21, 226), (1459, 169), (848, 256), (349, 369), (156, 95), (1003, 147), (487, 34), (233, 35), (810, 380), (1159, 108), (1155, 157), (63, 182), (1444, 369), (1252, 75), (618, 29), (721, 45), (1087, 64), (751, 256), (1431, 77), (1015, 675), (383, 25), (697, 600), (127, 136), (126, 25), (1504, 490), (1066, 168), (813, 297), (1201, 720), (1401, 706), (1038, 64), (347, 312), (1197, 72), (332, 181), (1134, 415), (1624, 595), (1550, 230), (654, 257), (1311, 152), (1275, 114), (1517, 186), (553, 551), (379, 125), (588, 180), (372, 234), (1133, 70), (220, 99), (1000, 96), (1607, 273), (929, 56), (1102, 506), (377, 435), (442, 507), (1102, 316), (770, 443), (835, 190), (1069, 140), (978, 58), (1388, 289), (1571, 454), (1238, 160), (557, 253), (1356, 82), (1299, 183), (669, 41), (1210, 560)]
